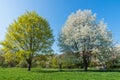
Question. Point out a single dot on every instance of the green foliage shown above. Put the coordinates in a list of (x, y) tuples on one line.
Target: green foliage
[(22, 64), (2, 61), (8, 60), (55, 62), (28, 35)]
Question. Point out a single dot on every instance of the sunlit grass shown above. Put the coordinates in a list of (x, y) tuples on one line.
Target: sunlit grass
[(55, 74)]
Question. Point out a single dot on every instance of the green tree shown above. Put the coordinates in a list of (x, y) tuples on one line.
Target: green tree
[(27, 36)]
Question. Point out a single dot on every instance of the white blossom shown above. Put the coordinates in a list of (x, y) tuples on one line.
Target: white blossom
[(82, 29)]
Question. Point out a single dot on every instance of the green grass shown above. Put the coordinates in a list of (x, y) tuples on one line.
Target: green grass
[(54, 74)]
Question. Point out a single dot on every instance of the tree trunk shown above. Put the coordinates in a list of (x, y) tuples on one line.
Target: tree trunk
[(85, 64), (29, 66), (29, 61), (85, 61), (85, 67)]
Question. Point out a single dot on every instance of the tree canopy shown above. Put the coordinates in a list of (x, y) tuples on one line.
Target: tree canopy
[(84, 34), (28, 35)]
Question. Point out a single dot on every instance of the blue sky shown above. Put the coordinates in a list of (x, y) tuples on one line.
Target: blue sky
[(57, 11)]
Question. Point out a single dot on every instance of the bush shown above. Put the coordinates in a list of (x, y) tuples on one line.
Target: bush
[(22, 64)]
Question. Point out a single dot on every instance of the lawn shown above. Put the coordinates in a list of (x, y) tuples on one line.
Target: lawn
[(54, 74)]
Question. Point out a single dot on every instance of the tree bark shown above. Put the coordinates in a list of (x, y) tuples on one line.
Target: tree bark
[(29, 66), (85, 61), (85, 64), (29, 61), (85, 67)]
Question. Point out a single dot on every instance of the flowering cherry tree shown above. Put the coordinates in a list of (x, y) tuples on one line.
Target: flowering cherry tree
[(82, 33)]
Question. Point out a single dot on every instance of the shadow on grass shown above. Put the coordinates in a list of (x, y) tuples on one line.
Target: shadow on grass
[(70, 70)]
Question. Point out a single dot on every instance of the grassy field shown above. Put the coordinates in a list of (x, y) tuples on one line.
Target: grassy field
[(52, 74)]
